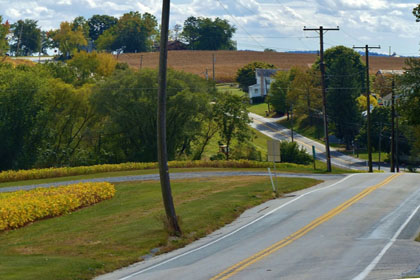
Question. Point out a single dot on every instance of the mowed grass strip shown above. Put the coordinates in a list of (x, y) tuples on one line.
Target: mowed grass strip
[(118, 232), (280, 168)]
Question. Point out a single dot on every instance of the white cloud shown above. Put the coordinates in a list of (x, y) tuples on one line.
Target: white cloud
[(387, 21)]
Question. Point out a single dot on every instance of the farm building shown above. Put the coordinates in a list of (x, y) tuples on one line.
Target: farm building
[(264, 79)]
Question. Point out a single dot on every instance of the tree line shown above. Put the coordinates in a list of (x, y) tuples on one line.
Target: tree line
[(93, 110), (132, 32)]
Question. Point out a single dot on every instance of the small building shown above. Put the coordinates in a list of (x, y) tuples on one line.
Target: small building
[(264, 79), (382, 74)]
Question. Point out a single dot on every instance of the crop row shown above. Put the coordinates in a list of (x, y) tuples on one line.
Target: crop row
[(22, 207), (20, 175)]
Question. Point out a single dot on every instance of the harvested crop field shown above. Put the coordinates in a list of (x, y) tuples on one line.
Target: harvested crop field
[(228, 62)]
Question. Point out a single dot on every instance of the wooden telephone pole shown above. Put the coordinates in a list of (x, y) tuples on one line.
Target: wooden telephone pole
[(321, 30), (165, 183), (368, 103)]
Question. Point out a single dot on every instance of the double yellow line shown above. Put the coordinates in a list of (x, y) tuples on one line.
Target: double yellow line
[(298, 234)]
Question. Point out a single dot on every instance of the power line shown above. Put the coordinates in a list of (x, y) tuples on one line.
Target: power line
[(234, 19)]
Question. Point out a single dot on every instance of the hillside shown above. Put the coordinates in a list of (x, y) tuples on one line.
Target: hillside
[(228, 62)]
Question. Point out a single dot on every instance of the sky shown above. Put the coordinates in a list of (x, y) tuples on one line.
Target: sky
[(275, 24)]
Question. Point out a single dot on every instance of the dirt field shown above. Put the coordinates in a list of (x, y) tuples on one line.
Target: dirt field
[(228, 62)]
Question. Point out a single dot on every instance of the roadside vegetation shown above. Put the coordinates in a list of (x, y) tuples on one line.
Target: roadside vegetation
[(22, 207), (122, 230)]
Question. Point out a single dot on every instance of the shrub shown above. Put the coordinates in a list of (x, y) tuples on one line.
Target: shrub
[(290, 152), (22, 207)]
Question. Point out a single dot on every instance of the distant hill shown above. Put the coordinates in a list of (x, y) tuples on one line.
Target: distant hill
[(228, 62)]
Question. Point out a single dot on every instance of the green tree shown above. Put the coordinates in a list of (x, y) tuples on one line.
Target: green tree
[(91, 66), (80, 23), (344, 82), (128, 103), (416, 12), (98, 24), (4, 30), (26, 37), (69, 40), (232, 117), (21, 99), (279, 89), (132, 33), (207, 34), (245, 76)]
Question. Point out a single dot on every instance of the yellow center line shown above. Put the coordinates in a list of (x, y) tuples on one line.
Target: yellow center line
[(301, 232)]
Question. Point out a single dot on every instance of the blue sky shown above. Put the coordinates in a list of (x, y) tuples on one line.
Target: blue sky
[(276, 24)]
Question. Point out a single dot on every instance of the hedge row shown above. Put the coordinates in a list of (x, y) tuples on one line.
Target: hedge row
[(20, 175), (22, 207)]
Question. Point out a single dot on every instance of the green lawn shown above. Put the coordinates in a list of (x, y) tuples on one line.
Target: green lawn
[(259, 109), (364, 155), (314, 132), (232, 88), (118, 232)]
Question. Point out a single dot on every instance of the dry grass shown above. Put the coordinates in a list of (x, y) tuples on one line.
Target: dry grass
[(228, 62), (15, 62)]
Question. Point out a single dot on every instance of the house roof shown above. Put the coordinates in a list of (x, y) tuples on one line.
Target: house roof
[(266, 72)]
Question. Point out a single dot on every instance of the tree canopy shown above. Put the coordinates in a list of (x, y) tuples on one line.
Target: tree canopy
[(26, 37), (132, 33), (207, 34), (4, 30), (344, 82)]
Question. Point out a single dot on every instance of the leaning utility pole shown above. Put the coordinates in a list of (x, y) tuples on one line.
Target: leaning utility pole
[(321, 30), (161, 125), (368, 102)]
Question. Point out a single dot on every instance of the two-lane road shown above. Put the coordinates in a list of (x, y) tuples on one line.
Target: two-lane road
[(361, 227), (272, 129)]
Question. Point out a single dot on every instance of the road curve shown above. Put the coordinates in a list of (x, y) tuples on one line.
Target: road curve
[(271, 128), (360, 227)]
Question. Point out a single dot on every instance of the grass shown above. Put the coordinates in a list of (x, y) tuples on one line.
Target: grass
[(232, 88), (260, 109), (301, 126), (364, 155), (118, 232)]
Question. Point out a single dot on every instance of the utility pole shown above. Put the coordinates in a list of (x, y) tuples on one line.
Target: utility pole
[(19, 40), (393, 126), (379, 144), (141, 62), (161, 125), (368, 102), (291, 120), (321, 30), (214, 61), (397, 164)]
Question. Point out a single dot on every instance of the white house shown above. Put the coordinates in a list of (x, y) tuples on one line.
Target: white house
[(264, 79)]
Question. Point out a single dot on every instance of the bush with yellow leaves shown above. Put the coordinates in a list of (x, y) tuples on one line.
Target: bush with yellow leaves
[(22, 207)]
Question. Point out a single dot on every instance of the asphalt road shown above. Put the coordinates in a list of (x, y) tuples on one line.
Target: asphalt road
[(272, 129), (360, 227)]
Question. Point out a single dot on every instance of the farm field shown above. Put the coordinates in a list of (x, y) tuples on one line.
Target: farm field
[(228, 62)]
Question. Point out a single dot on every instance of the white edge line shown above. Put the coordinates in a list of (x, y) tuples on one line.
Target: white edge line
[(233, 232), (376, 260)]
